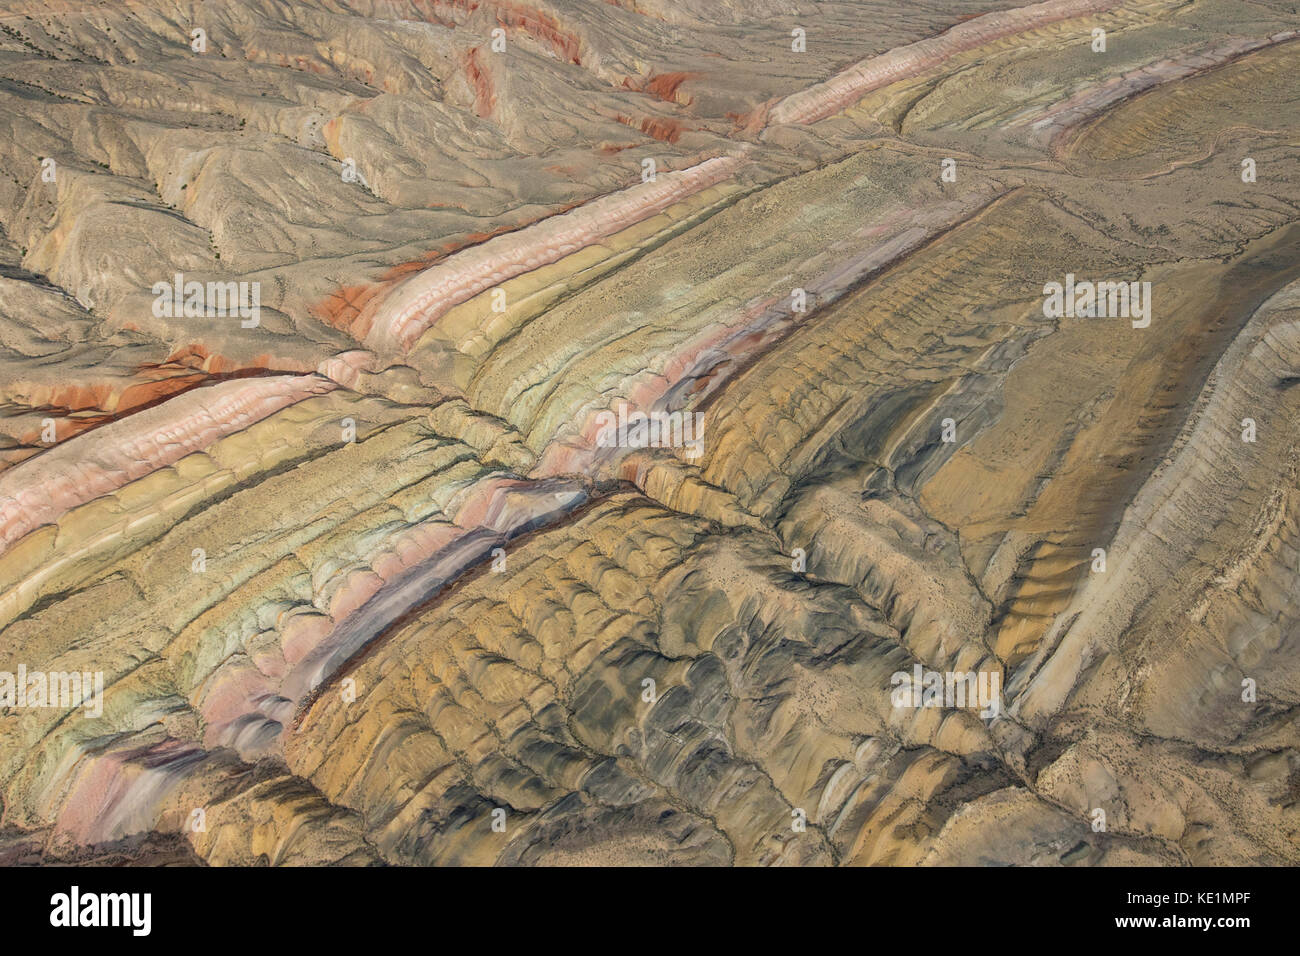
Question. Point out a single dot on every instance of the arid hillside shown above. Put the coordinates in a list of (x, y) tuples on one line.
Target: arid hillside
[(650, 431)]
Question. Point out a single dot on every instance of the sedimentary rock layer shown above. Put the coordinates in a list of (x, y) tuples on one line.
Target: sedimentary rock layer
[(504, 433)]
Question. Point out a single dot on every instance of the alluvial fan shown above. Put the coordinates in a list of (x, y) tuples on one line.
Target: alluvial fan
[(671, 431)]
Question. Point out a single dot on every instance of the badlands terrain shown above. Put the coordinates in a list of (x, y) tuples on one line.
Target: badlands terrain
[(370, 556)]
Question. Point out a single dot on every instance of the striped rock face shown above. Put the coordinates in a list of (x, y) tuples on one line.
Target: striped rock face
[(542, 431)]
